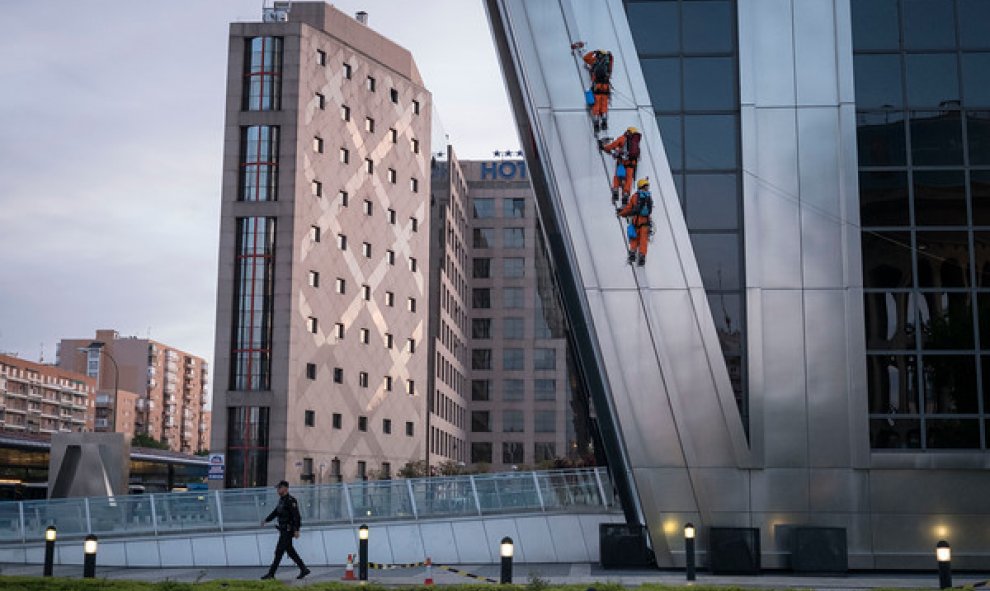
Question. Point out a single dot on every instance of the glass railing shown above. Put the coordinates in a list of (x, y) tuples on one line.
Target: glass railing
[(562, 491)]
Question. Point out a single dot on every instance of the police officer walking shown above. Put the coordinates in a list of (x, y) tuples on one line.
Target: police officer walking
[(289, 521)]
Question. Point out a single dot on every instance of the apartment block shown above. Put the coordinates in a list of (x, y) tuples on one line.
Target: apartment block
[(321, 350), (143, 387), (38, 398)]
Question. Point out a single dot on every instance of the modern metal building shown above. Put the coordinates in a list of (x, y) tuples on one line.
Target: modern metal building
[(320, 364), (805, 344)]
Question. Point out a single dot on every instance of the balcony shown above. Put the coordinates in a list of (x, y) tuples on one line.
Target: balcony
[(101, 423)]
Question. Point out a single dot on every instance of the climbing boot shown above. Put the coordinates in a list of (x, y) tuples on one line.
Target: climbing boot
[(604, 123), (631, 258), (615, 196), (642, 260), (597, 126)]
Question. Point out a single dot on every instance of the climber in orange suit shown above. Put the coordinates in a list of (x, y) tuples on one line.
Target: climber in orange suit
[(638, 210), (625, 150), (599, 64)]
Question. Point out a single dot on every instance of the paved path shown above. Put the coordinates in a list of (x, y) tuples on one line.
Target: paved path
[(581, 573)]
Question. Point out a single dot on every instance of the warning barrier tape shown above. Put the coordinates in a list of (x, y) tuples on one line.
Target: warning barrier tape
[(450, 569), (458, 571), (383, 566)]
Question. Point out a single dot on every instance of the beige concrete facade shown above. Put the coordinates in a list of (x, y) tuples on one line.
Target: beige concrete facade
[(37, 398), (345, 389), (170, 387)]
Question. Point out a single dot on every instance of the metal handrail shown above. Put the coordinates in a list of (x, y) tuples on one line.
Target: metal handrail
[(575, 490)]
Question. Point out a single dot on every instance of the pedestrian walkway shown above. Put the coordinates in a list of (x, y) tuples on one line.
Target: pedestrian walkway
[(580, 574)]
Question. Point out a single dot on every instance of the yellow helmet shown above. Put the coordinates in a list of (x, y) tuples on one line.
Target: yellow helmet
[(643, 183), (632, 130)]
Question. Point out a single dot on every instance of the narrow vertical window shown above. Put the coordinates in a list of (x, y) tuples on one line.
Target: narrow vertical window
[(253, 304), (394, 95), (345, 113), (259, 163), (263, 74), (371, 84), (321, 57), (347, 70)]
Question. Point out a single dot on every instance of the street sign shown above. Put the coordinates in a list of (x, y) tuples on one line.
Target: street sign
[(216, 467)]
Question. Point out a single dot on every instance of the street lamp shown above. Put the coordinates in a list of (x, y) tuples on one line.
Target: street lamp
[(506, 550), (49, 551), (89, 558), (943, 555), (363, 552), (99, 346), (689, 549)]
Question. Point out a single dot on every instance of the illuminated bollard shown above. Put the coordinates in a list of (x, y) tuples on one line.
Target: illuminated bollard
[(89, 558), (363, 552), (49, 551), (505, 551), (943, 554), (689, 549)]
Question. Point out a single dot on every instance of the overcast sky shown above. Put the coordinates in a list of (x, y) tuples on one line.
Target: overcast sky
[(111, 122)]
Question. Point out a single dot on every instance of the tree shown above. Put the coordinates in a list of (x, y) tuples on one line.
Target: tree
[(144, 440)]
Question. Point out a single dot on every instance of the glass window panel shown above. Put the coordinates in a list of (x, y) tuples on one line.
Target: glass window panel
[(512, 421), (482, 268), (512, 390), (718, 259), (878, 81), (513, 359), (481, 328), (979, 187), (655, 26), (952, 434), (481, 359), (936, 138), (943, 259), (892, 384), (712, 201), (887, 259), (883, 199), (710, 84), (512, 452), (973, 18), (663, 80), (728, 321), (708, 27), (710, 141), (512, 297), (889, 320), (483, 208), (945, 320), (481, 390), (985, 362), (512, 328), (981, 246), (544, 359), (928, 24), (481, 452), (481, 297), (895, 434), (932, 80), (544, 421), (484, 237), (949, 383), (544, 389), (976, 77), (481, 421), (880, 138), (544, 451), (940, 198), (513, 267), (673, 142), (978, 131), (513, 207), (875, 24), (514, 237)]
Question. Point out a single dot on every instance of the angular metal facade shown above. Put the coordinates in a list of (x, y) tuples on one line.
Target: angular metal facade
[(646, 340)]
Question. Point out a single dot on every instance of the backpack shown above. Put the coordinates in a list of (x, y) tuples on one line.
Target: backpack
[(632, 145), (602, 67), (644, 203)]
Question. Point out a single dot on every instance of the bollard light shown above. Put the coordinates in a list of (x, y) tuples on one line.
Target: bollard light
[(89, 558), (363, 552), (689, 551), (49, 551), (943, 555), (506, 550)]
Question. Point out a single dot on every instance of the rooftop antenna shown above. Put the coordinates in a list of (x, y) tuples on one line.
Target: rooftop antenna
[(278, 12)]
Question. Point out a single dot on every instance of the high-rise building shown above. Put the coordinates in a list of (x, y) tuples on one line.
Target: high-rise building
[(808, 338), (38, 398), (321, 356), (143, 387)]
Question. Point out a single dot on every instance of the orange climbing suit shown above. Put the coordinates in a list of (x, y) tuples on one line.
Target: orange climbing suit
[(640, 222), (619, 144), (601, 91)]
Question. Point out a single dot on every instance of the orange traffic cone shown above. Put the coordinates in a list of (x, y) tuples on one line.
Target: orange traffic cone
[(429, 572), (349, 570)]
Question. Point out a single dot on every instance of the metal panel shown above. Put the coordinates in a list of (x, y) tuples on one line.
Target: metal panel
[(821, 217), (534, 533), (838, 490), (245, 550), (467, 539), (568, 540), (780, 490), (406, 542), (142, 553), (496, 529), (827, 395), (211, 551), (766, 51), (785, 432), (112, 554), (814, 52), (176, 553)]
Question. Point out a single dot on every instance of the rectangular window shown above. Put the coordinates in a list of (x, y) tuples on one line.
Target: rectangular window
[(338, 375), (414, 185), (387, 426), (370, 84), (544, 359), (481, 298), (309, 418), (340, 286), (362, 423), (311, 371), (513, 358), (389, 299), (545, 421), (513, 267), (321, 102), (410, 387), (513, 238), (390, 257), (342, 241), (338, 330), (393, 135), (366, 249), (513, 207), (345, 113), (321, 57), (317, 188), (512, 297), (388, 383), (314, 233), (481, 328), (512, 328), (364, 335), (345, 156), (369, 125), (512, 421), (347, 70), (318, 144), (412, 264), (263, 74), (251, 346), (259, 163), (544, 452), (513, 390), (484, 208), (366, 292), (312, 325), (338, 420), (414, 145), (369, 166), (342, 195), (409, 428), (411, 304), (393, 95), (484, 237), (392, 176), (363, 379), (362, 469), (369, 207), (512, 452), (388, 340), (544, 389), (247, 446), (411, 345), (414, 223), (481, 390), (415, 105), (481, 359), (391, 216), (481, 268), (481, 421), (314, 279)]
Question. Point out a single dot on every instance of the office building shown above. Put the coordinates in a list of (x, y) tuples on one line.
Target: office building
[(38, 398), (143, 387), (806, 345), (321, 356)]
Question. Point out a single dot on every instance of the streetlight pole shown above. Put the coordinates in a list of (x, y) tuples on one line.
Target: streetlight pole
[(99, 346)]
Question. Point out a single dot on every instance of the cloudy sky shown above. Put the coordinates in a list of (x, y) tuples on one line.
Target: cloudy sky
[(111, 121)]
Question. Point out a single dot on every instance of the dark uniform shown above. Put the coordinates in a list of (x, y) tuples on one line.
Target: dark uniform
[(287, 512)]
